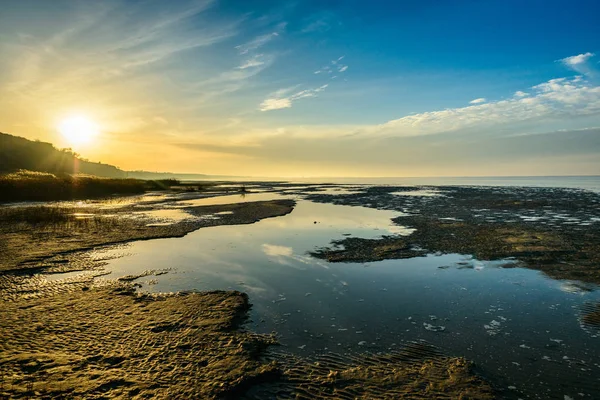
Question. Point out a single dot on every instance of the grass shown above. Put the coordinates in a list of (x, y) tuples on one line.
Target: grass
[(36, 215), (53, 218), (39, 186)]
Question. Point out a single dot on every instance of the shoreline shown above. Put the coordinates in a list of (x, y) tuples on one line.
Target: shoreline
[(83, 338), (19, 242), (264, 371)]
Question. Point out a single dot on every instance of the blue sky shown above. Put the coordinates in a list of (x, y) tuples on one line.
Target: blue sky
[(311, 88)]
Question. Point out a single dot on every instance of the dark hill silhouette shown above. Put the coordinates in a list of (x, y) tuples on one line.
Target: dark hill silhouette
[(17, 153)]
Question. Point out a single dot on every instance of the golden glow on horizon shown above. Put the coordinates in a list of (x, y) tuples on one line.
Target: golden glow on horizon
[(78, 130)]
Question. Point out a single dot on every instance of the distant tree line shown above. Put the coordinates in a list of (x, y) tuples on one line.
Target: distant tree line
[(17, 153)]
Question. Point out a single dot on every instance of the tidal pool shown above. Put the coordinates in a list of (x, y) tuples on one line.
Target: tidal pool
[(522, 329)]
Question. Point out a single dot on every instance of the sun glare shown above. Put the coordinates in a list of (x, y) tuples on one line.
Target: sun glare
[(78, 130)]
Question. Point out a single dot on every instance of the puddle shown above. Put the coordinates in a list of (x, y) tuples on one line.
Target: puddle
[(65, 276), (513, 322)]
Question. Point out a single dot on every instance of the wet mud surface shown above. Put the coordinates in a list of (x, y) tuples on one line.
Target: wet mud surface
[(112, 342), (556, 231), (84, 336), (416, 371), (590, 316), (27, 247)]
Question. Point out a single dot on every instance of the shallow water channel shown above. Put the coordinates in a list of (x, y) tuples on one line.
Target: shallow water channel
[(521, 328)]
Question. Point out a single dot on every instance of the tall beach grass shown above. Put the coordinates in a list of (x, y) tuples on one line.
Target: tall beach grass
[(40, 186)]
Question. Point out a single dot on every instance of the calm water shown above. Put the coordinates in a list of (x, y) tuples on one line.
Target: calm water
[(576, 182), (520, 327)]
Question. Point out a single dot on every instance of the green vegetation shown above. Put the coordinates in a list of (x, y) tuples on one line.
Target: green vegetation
[(17, 153), (39, 186)]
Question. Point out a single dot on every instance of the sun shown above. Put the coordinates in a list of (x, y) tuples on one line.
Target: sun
[(78, 129)]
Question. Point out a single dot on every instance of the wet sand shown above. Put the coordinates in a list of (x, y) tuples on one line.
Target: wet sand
[(112, 342), (418, 371), (89, 338)]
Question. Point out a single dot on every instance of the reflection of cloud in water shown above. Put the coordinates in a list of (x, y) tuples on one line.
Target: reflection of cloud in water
[(285, 255), (277, 251), (576, 287)]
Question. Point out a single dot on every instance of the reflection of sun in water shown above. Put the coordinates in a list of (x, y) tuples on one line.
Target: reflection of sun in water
[(78, 129)]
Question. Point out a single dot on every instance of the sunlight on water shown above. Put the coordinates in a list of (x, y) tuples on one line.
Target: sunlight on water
[(509, 321)]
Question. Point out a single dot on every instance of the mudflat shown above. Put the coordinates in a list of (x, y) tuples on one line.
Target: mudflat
[(553, 230), (27, 246), (114, 343), (89, 338)]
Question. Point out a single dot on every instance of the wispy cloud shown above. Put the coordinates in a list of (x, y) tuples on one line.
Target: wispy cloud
[(478, 101), (280, 99), (333, 66), (255, 61), (109, 42), (319, 23), (261, 40), (580, 63), (557, 98), (276, 103)]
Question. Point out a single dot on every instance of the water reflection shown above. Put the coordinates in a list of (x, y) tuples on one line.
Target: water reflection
[(512, 322), (232, 198)]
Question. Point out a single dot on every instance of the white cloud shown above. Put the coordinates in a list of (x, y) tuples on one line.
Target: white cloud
[(478, 101), (580, 63), (578, 59), (555, 99), (278, 102), (275, 104), (343, 68), (252, 62), (520, 93)]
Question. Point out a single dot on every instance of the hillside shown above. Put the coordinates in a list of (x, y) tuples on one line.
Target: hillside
[(18, 153)]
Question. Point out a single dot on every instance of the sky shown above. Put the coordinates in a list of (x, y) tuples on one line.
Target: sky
[(376, 88)]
